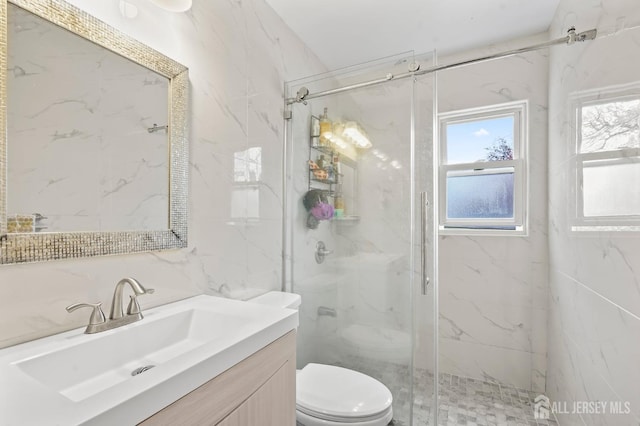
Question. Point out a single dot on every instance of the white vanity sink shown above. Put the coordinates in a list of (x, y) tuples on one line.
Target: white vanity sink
[(74, 378)]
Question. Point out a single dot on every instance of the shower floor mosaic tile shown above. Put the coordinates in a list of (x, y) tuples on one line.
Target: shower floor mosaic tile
[(472, 402), (463, 401)]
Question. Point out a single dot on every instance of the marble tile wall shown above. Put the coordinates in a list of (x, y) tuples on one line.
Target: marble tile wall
[(493, 289), (238, 55), (594, 321)]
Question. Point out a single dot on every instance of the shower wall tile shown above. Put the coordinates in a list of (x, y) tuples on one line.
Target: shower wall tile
[(489, 363), (539, 371), (487, 323), (489, 280), (594, 321), (599, 346), (493, 290), (239, 54)]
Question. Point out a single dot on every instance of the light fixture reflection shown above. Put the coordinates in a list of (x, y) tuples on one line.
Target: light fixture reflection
[(380, 155), (356, 135), (396, 164), (335, 137)]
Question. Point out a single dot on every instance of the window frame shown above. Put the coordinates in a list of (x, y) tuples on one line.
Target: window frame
[(580, 222), (487, 226)]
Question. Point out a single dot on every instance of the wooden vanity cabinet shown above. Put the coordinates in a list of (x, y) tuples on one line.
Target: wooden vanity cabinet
[(258, 391)]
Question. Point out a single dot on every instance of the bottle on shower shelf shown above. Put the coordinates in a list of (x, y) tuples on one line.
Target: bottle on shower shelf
[(326, 129), (338, 204), (337, 168)]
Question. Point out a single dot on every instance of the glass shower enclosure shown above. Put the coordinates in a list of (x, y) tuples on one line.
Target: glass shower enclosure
[(359, 226)]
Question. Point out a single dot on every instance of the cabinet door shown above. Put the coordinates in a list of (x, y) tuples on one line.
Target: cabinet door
[(266, 407), (217, 399)]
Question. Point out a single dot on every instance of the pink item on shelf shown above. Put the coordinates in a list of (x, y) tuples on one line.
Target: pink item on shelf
[(322, 211)]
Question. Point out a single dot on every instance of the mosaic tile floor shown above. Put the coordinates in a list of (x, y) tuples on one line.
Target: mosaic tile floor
[(463, 401), (472, 402)]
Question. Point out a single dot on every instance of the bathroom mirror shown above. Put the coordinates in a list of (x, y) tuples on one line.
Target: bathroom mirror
[(93, 146)]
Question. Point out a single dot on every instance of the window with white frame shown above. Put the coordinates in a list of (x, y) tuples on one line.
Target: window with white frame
[(483, 169), (607, 172)]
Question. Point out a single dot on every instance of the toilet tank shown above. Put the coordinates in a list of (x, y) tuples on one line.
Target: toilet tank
[(279, 299)]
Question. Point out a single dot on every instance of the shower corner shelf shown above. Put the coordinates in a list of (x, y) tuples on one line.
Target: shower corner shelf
[(333, 188), (346, 220), (325, 181), (323, 149)]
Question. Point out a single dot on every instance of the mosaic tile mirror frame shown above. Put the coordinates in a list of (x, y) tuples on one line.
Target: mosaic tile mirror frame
[(18, 246)]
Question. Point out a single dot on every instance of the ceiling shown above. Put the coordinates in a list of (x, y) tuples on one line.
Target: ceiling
[(348, 32)]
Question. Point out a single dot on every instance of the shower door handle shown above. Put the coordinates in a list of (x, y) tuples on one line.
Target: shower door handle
[(424, 211)]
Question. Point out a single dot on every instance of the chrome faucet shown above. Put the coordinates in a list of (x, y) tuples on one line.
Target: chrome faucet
[(117, 318), (321, 252), (133, 308)]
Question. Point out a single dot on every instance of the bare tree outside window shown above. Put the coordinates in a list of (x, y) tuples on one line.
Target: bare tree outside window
[(610, 126), (499, 151), (483, 169), (608, 161)]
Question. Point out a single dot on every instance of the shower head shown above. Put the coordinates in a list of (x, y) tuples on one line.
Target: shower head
[(302, 93)]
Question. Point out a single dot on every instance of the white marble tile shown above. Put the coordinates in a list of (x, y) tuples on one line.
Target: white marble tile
[(489, 363), (494, 324), (494, 281), (603, 336), (539, 372)]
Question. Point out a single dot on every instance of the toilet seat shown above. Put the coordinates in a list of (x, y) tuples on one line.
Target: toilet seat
[(329, 395), (303, 419)]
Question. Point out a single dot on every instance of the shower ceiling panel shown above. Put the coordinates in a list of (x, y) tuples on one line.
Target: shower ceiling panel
[(343, 33)]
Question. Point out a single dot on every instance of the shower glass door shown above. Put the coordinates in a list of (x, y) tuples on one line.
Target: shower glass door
[(353, 219)]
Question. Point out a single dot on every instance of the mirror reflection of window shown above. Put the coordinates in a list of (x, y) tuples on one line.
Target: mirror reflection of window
[(247, 165), (245, 195)]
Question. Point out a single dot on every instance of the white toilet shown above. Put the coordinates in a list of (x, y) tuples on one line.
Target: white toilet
[(333, 396)]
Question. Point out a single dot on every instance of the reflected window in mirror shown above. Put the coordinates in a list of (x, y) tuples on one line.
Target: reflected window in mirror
[(245, 195)]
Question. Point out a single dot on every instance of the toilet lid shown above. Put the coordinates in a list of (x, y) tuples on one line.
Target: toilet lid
[(326, 391)]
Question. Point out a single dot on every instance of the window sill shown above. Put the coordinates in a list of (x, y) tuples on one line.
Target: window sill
[(606, 228), (519, 231)]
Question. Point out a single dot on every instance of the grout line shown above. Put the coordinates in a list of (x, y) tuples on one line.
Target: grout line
[(599, 295)]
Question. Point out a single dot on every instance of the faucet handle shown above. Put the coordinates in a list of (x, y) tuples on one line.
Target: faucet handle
[(134, 306), (97, 316)]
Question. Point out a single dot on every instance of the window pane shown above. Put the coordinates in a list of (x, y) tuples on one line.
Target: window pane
[(480, 196), (610, 188), (610, 126), (245, 203), (480, 140), (247, 165)]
